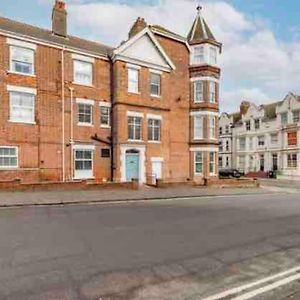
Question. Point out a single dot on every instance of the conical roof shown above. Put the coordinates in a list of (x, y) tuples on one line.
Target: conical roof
[(200, 32)]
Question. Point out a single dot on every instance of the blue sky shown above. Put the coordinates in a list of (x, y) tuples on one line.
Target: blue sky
[(261, 37)]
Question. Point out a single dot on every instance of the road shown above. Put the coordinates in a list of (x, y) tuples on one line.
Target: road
[(179, 249)]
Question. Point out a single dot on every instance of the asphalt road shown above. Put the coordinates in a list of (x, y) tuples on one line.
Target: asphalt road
[(180, 249)]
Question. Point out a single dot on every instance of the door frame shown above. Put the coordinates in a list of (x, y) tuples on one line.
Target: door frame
[(142, 160), (158, 160), (82, 148)]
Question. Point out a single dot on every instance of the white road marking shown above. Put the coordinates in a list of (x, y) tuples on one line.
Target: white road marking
[(268, 287), (253, 284)]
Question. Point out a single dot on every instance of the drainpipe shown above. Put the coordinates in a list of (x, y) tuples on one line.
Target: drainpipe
[(71, 89), (63, 113)]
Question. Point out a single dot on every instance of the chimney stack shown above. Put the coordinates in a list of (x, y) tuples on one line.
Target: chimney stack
[(244, 107), (138, 26), (59, 18)]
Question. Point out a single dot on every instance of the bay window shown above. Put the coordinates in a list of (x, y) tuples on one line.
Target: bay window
[(212, 163), (212, 127), (198, 55), (198, 162), (212, 92), (213, 55), (198, 127), (198, 91)]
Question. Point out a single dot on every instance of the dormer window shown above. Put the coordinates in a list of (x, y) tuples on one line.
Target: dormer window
[(199, 55), (212, 55)]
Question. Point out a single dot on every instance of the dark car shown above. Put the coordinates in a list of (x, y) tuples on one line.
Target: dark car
[(230, 173)]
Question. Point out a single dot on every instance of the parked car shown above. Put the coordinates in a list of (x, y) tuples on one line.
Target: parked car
[(230, 173)]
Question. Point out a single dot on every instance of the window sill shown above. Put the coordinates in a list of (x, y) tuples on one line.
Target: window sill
[(83, 178), (22, 122), (9, 169), (85, 124), (22, 74), (154, 142), (105, 126), (134, 141), (156, 96), (83, 84), (198, 102), (198, 174), (134, 93)]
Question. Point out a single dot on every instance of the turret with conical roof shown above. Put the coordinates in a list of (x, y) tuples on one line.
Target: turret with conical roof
[(200, 32), (204, 102)]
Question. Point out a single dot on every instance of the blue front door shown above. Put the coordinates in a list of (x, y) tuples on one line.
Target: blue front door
[(132, 166)]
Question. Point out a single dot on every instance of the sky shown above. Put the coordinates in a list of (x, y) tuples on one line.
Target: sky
[(261, 38)]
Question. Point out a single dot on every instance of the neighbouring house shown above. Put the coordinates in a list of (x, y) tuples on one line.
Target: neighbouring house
[(264, 138), (74, 109)]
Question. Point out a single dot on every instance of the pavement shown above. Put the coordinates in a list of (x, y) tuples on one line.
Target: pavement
[(157, 250), (29, 198)]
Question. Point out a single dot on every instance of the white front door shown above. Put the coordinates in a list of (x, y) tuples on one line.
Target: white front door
[(83, 164), (157, 169)]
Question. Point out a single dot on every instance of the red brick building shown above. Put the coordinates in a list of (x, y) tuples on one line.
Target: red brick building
[(74, 109)]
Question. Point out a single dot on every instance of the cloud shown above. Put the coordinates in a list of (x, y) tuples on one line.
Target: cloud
[(255, 64), (231, 99)]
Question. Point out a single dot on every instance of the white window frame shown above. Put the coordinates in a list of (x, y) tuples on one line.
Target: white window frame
[(293, 166), (201, 162), (136, 72), (281, 118), (240, 144), (84, 149), (261, 138), (79, 60), (16, 156), (272, 140), (155, 73), (213, 163), (25, 91), (212, 127), (296, 119), (212, 92), (134, 123), (198, 127), (20, 47), (213, 55), (199, 58), (107, 115), (198, 91), (85, 102), (153, 127)]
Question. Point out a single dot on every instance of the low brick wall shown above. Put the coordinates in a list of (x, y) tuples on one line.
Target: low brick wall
[(17, 185), (161, 183), (232, 182)]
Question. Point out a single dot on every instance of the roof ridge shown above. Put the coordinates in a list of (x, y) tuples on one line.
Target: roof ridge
[(36, 32)]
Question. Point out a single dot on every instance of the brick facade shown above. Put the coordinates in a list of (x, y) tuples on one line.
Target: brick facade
[(46, 148)]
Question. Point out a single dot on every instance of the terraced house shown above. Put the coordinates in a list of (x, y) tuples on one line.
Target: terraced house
[(263, 138), (74, 109)]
